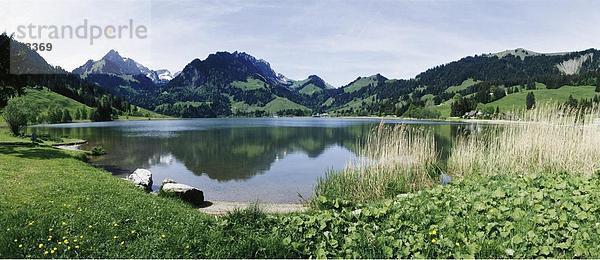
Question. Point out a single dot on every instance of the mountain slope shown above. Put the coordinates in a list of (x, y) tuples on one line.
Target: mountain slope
[(223, 79), (21, 67)]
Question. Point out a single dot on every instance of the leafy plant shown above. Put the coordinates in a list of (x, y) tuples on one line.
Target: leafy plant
[(97, 151)]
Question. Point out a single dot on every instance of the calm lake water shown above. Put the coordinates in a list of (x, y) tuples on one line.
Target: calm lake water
[(265, 159)]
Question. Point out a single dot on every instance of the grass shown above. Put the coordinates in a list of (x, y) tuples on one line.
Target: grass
[(360, 83), (310, 89), (56, 206), (249, 84), (543, 96), (41, 100), (280, 103), (558, 140), (7, 138), (386, 152), (464, 85)]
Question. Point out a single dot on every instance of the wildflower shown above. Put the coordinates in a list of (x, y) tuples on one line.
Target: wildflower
[(90, 226), (69, 248), (20, 245), (122, 242), (76, 246), (50, 229), (433, 232), (59, 242), (75, 240), (40, 245), (163, 236), (116, 225), (45, 252), (66, 241), (51, 251), (433, 241), (80, 236), (15, 240), (115, 237)]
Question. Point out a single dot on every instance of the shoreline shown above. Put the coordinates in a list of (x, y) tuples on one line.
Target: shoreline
[(219, 208)]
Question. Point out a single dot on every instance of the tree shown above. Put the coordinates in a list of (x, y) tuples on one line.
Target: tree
[(530, 101), (66, 116), (77, 115), (462, 105), (84, 114), (55, 115), (15, 116), (104, 110)]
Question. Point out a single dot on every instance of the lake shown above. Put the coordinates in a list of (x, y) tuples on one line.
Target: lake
[(248, 159)]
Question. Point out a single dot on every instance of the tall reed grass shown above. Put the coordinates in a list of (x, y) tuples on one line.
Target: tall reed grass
[(393, 159), (553, 138), (399, 159)]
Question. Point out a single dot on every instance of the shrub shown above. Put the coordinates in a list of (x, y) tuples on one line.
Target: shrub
[(98, 150), (15, 115)]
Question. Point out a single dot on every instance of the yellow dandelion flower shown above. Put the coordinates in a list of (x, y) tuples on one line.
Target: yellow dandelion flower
[(75, 240), (15, 240), (115, 237), (51, 251), (45, 252), (90, 226), (434, 241), (40, 245), (20, 245), (66, 241), (59, 242), (50, 229), (163, 236), (69, 248), (80, 236), (76, 246), (122, 242), (116, 225), (54, 249)]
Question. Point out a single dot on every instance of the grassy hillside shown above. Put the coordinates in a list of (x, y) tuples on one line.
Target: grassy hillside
[(249, 84), (280, 103), (310, 89), (517, 100), (41, 100), (467, 83), (360, 83)]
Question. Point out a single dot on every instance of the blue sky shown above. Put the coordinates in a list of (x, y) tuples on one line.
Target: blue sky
[(337, 40)]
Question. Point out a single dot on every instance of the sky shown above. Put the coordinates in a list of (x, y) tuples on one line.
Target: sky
[(337, 40)]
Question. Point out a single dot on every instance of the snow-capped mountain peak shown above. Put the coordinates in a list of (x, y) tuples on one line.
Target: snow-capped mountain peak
[(114, 63)]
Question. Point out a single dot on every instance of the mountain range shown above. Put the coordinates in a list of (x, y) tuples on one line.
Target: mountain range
[(238, 84)]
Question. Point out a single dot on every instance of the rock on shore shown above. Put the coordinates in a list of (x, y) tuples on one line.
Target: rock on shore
[(184, 192), (142, 178)]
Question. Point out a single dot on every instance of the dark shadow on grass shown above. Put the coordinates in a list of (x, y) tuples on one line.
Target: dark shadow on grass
[(34, 152)]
